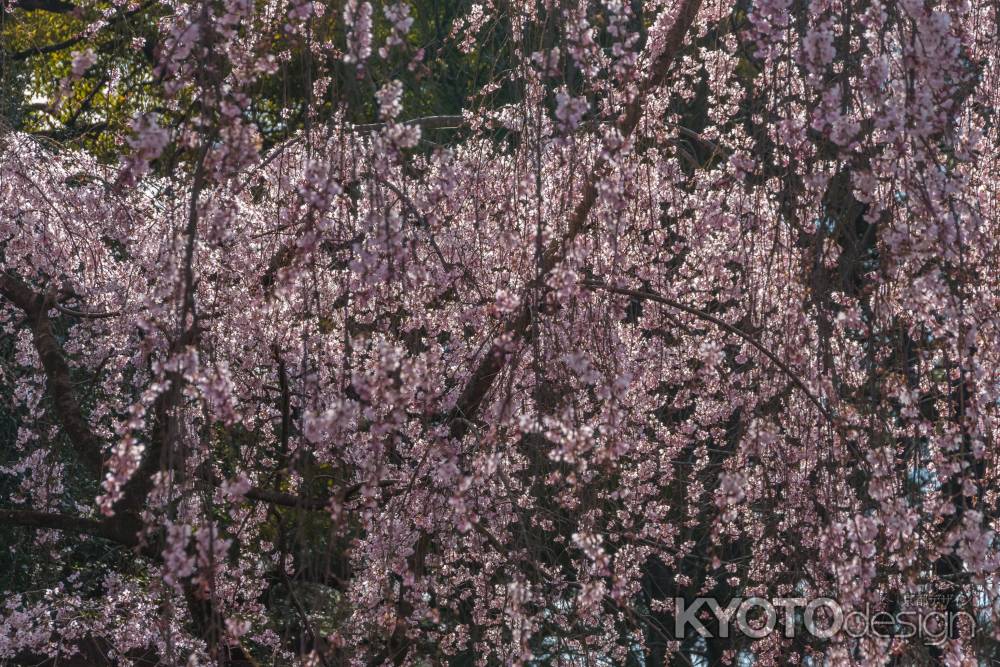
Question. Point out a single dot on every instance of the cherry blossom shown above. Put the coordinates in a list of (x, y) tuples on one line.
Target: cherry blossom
[(686, 300)]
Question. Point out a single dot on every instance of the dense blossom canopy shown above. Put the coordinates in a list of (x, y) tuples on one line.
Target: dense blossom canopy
[(687, 299)]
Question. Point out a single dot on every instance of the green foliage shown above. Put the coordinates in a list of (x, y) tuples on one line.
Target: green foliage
[(92, 112)]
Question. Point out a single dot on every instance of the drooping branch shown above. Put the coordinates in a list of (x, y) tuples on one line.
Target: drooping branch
[(832, 418), (490, 366), (725, 326)]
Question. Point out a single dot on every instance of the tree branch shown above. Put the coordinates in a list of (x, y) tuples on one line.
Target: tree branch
[(54, 6), (57, 371), (725, 326), (287, 499), (489, 367), (73, 41), (424, 123), (84, 314), (312, 504), (69, 524)]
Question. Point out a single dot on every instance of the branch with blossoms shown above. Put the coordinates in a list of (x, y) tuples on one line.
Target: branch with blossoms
[(68, 410), (725, 326), (500, 333), (514, 328)]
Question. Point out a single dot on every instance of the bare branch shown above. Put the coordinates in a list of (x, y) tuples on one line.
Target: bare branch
[(69, 524), (73, 41), (287, 499), (54, 6), (84, 314), (310, 504)]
